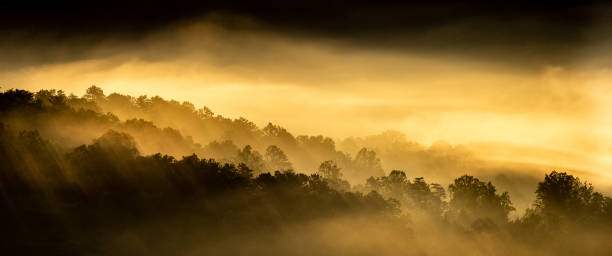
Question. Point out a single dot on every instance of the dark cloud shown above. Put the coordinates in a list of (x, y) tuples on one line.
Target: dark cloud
[(540, 33), (327, 16)]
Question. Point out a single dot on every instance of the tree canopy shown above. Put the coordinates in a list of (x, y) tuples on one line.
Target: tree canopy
[(77, 180)]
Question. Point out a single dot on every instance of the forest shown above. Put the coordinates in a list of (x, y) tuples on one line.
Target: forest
[(116, 174)]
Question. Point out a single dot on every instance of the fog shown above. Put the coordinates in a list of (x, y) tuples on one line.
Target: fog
[(232, 64), (79, 179), (241, 132)]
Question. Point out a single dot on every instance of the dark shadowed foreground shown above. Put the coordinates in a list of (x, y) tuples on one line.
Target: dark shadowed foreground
[(75, 181)]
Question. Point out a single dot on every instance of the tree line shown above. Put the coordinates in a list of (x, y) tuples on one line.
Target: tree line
[(73, 199)]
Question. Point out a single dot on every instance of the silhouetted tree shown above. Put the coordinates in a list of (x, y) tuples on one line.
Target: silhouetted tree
[(66, 189), (251, 158), (94, 94), (366, 164), (562, 197), (224, 151), (333, 175), (276, 160), (279, 136), (472, 199), (330, 170), (413, 195)]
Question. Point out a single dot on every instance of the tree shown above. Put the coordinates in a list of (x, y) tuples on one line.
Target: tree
[(94, 93), (367, 164), (330, 170), (276, 159), (333, 175), (417, 194), (51, 98), (117, 143), (563, 197), (224, 151), (251, 158), (426, 196), (472, 199), (279, 136), (394, 185)]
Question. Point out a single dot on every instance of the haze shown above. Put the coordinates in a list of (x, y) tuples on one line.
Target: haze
[(323, 85), (306, 128)]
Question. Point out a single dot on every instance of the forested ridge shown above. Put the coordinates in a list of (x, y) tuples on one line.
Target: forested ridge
[(99, 175)]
